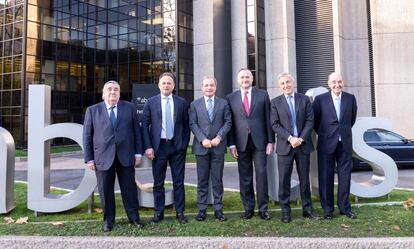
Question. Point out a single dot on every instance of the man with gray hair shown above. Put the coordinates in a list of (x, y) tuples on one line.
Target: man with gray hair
[(210, 121), (291, 116), (112, 146)]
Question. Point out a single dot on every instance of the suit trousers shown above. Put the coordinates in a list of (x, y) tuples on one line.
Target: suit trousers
[(210, 166), (285, 166), (129, 192), (326, 172), (245, 166), (167, 153)]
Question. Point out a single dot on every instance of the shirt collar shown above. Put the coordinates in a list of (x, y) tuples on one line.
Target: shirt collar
[(293, 95), (206, 98), (109, 106), (248, 90), (334, 96), (163, 96)]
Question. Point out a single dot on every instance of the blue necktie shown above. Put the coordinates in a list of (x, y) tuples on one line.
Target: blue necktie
[(169, 126), (210, 109), (112, 116), (292, 115)]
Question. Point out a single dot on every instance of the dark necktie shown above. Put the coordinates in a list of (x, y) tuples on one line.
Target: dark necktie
[(292, 115), (112, 116), (210, 109)]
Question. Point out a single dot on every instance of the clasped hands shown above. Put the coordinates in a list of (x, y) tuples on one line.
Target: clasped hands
[(207, 143), (296, 142)]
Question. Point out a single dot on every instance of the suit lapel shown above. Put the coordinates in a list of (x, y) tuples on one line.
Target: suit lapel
[(343, 106), (253, 100), (120, 114), (283, 102), (202, 105), (331, 105), (239, 101), (158, 107), (297, 104), (104, 113), (215, 107), (175, 108)]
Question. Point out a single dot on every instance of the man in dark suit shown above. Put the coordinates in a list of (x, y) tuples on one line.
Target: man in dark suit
[(251, 140), (335, 114), (210, 121), (291, 117), (112, 145), (166, 134)]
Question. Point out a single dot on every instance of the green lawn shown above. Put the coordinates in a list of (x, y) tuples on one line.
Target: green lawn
[(70, 148), (372, 221)]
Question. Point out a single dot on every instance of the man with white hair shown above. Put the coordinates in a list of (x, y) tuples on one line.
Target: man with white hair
[(112, 146)]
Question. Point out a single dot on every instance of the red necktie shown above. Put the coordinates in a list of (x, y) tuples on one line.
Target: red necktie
[(246, 103)]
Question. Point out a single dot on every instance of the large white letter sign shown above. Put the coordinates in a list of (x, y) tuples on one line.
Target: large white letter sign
[(40, 132), (7, 153), (384, 169)]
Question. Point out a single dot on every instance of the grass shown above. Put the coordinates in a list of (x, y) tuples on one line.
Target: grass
[(53, 150), (373, 221), (71, 148)]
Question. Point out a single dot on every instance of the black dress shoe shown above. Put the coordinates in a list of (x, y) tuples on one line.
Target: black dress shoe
[(157, 218), (201, 216), (328, 216), (137, 223), (286, 218), (107, 227), (181, 218), (247, 215), (311, 215), (219, 215), (264, 215), (349, 214)]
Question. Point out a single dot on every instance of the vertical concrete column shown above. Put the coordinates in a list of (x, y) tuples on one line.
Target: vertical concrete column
[(393, 50), (351, 50), (280, 57), (238, 38), (280, 41), (212, 44), (203, 18)]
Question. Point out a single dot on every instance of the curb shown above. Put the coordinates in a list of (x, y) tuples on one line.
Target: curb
[(21, 242)]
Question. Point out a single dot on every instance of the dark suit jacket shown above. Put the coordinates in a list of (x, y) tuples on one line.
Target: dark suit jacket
[(282, 125), (327, 125), (101, 141), (152, 123), (258, 121), (203, 128)]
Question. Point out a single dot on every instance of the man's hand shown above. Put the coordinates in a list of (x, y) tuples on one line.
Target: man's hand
[(269, 149), (91, 166), (138, 160), (234, 153), (215, 142), (206, 143), (295, 142), (149, 153)]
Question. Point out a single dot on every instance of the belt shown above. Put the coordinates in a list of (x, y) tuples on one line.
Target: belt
[(166, 140)]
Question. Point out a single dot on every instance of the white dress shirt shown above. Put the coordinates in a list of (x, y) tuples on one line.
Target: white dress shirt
[(249, 95), (337, 104), (163, 102)]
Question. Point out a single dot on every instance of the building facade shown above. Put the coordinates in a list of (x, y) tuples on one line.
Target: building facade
[(76, 46)]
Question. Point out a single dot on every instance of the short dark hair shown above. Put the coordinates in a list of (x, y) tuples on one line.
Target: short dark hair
[(169, 74)]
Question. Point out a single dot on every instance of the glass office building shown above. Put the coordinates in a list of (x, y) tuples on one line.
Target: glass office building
[(76, 46)]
